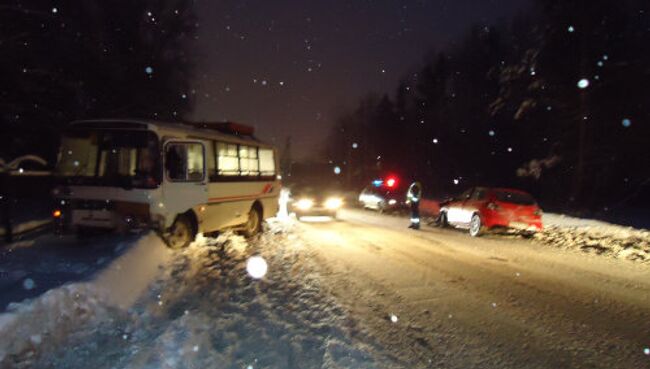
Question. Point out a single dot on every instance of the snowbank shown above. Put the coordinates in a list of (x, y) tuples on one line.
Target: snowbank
[(596, 237), (203, 310), (46, 321), (41, 325)]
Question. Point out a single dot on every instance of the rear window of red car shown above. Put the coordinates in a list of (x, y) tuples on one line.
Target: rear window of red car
[(518, 198)]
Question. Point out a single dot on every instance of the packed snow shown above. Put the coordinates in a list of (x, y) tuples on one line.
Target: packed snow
[(224, 302), (595, 236)]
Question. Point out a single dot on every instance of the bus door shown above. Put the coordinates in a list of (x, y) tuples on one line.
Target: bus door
[(185, 184)]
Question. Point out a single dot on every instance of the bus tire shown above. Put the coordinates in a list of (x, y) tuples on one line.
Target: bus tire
[(254, 223), (181, 234)]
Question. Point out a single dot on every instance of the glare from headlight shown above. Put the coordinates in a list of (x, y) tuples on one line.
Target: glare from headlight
[(305, 204), (333, 203), (392, 202)]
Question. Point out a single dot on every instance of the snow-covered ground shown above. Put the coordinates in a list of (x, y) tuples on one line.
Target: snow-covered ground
[(596, 236), (202, 310), (132, 303)]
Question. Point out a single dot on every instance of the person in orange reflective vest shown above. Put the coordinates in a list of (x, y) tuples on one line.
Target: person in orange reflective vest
[(413, 197)]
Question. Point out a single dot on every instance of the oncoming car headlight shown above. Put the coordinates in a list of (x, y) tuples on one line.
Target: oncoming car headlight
[(392, 202), (333, 203), (305, 204)]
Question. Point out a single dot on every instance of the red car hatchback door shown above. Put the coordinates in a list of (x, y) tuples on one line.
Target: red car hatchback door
[(516, 209)]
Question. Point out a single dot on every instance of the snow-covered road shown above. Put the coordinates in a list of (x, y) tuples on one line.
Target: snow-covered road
[(491, 302), (359, 292)]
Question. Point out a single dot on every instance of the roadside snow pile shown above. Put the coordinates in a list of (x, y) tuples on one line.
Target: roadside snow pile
[(206, 311), (38, 327), (50, 318), (596, 237)]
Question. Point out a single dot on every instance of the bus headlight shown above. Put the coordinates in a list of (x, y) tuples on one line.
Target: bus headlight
[(305, 204), (333, 203)]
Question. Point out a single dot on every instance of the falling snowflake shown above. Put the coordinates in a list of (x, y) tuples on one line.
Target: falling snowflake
[(583, 83), (491, 133), (646, 351), (509, 149), (29, 284), (337, 170), (257, 267), (55, 10), (183, 96), (571, 29), (494, 304), (195, 348), (355, 145), (281, 83), (264, 82), (435, 141), (456, 181), (393, 318)]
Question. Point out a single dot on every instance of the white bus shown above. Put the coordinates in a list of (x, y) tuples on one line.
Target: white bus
[(180, 179)]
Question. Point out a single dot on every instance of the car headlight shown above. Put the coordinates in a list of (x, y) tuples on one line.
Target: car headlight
[(392, 202), (333, 203), (305, 204)]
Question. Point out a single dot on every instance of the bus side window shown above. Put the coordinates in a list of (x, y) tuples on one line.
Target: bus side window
[(175, 160), (184, 162), (267, 162)]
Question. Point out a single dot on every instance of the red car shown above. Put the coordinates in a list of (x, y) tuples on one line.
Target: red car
[(480, 209)]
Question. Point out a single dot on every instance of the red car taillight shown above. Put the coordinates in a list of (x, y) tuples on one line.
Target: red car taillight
[(492, 206)]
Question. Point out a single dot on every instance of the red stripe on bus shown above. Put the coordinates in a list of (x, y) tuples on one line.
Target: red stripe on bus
[(266, 190)]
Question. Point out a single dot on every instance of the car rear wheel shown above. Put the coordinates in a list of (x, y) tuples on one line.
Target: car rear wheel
[(181, 234), (528, 234), (254, 223), (381, 207), (475, 226)]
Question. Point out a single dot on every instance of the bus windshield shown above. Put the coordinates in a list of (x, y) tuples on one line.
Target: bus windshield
[(120, 158)]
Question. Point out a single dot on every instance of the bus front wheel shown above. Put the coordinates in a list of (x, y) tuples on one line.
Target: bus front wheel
[(181, 234), (254, 222)]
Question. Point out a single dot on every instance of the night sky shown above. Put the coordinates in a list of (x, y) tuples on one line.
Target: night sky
[(289, 66)]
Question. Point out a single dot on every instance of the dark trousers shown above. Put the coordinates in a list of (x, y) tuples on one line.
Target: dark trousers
[(415, 214)]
